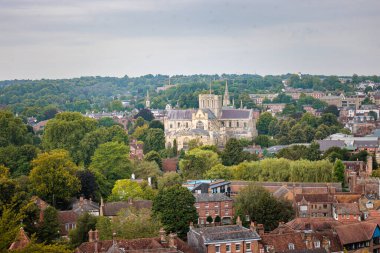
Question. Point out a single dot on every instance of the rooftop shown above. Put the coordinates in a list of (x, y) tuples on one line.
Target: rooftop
[(225, 233), (211, 197)]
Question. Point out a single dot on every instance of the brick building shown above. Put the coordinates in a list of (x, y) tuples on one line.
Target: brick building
[(314, 205), (346, 212), (224, 239), (217, 204)]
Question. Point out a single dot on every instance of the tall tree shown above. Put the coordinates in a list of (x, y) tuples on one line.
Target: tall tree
[(146, 114), (155, 140), (174, 206), (53, 176), (12, 130), (66, 131), (339, 169), (261, 207), (85, 223), (154, 156), (49, 230), (110, 163), (233, 153), (263, 122)]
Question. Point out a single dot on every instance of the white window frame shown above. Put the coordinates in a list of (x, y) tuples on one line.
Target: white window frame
[(237, 245), (248, 246), (228, 245), (217, 245)]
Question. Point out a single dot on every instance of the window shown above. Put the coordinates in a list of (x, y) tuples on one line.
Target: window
[(216, 204), (171, 126), (237, 123), (226, 204), (291, 246), (237, 247), (229, 124), (217, 248), (216, 211), (206, 205), (196, 205), (228, 248), (248, 246), (187, 124), (207, 213), (226, 212), (200, 125), (179, 124), (317, 244)]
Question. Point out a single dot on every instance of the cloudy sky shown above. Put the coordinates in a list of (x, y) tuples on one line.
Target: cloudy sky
[(72, 38)]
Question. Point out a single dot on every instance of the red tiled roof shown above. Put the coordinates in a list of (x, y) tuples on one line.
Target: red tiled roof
[(21, 241), (280, 242), (347, 208), (169, 165), (315, 198), (358, 232), (315, 223)]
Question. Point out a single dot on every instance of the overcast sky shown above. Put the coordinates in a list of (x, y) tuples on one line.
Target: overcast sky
[(72, 38)]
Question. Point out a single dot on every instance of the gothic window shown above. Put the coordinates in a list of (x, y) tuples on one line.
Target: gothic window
[(179, 124), (237, 123), (200, 125), (187, 124), (230, 124)]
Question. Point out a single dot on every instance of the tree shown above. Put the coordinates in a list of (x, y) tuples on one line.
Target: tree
[(209, 219), (10, 220), (106, 122), (85, 223), (18, 158), (146, 114), (66, 131), (329, 119), (332, 109), (196, 162), (339, 171), (217, 219), (175, 147), (154, 156), (49, 230), (155, 140), (263, 122), (233, 153), (373, 114), (174, 206), (219, 171), (262, 140), (40, 247), (169, 179), (89, 186), (125, 189), (12, 130), (53, 176), (156, 124), (262, 207), (145, 169), (129, 224), (110, 163), (297, 134), (116, 105), (313, 153)]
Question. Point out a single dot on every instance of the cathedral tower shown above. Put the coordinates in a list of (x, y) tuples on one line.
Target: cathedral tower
[(147, 100), (226, 97)]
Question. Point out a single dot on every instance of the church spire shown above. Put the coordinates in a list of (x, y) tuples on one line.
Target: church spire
[(226, 97), (147, 101)]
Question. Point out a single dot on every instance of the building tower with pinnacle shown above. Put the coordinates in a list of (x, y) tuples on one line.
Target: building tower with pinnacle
[(147, 100), (226, 97)]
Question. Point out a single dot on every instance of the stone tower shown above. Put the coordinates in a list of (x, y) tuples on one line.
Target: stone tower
[(226, 97), (212, 102), (147, 100)]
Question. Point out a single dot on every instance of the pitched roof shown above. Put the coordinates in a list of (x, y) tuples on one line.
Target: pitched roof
[(366, 144), (357, 232), (135, 245), (67, 217), (21, 241), (85, 205), (315, 198), (112, 208), (281, 242), (315, 223), (180, 114), (211, 197), (225, 233), (347, 208), (326, 144), (236, 114)]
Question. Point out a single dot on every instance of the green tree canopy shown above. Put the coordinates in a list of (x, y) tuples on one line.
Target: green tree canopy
[(174, 206), (196, 162), (261, 207), (233, 153), (125, 189), (169, 179), (155, 140), (12, 130), (110, 163), (66, 131), (263, 122), (53, 176)]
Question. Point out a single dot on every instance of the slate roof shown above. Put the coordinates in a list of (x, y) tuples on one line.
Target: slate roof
[(180, 114), (236, 114), (112, 208), (366, 144), (211, 115), (326, 144), (85, 205), (357, 232), (211, 197), (226, 233)]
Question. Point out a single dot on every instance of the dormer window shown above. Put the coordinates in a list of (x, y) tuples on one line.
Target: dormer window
[(291, 246), (317, 244)]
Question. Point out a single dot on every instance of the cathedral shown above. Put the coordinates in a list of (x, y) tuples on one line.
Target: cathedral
[(213, 123)]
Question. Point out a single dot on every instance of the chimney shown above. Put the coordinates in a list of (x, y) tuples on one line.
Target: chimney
[(260, 229), (308, 241), (172, 240), (91, 236), (281, 227), (162, 235), (326, 243), (96, 235), (252, 227), (238, 221), (81, 200)]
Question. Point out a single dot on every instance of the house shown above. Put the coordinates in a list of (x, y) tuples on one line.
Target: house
[(213, 205), (314, 205), (21, 241), (224, 239), (359, 237), (67, 222), (111, 209), (136, 150), (324, 145), (161, 244), (82, 205), (198, 186), (346, 212)]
